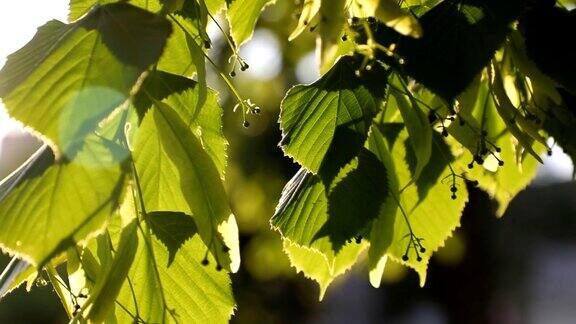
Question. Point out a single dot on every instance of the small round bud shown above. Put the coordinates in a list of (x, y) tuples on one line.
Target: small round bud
[(498, 149), (257, 110), (344, 37), (453, 197), (232, 73), (405, 257), (246, 124), (422, 249), (218, 268), (358, 240), (205, 262), (244, 67), (453, 189), (470, 165), (500, 163), (549, 152), (418, 258)]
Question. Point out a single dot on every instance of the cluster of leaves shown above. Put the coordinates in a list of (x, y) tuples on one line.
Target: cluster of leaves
[(417, 101)]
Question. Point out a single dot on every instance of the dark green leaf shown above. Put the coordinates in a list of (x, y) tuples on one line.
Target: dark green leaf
[(338, 107), (173, 229), (459, 38)]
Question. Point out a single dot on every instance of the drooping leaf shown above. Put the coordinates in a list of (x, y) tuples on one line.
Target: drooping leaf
[(486, 130), (323, 268), (418, 128), (426, 204), (55, 84), (332, 20), (200, 110), (242, 16), (339, 106), (185, 291), (107, 289), (177, 174), (61, 205), (155, 291), (317, 222)]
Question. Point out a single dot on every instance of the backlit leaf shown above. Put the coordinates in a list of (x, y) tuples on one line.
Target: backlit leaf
[(61, 205), (242, 16), (338, 106), (178, 174), (55, 84)]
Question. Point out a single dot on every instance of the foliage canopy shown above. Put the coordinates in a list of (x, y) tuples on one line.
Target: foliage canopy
[(418, 101)]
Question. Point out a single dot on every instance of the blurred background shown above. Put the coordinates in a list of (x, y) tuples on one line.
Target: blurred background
[(518, 269)]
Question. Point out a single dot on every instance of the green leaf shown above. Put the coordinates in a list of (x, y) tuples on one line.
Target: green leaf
[(316, 220), (185, 292), (308, 211), (61, 205), (184, 54), (355, 200), (302, 208), (418, 127), (508, 180), (338, 105), (173, 229), (242, 16), (426, 204), (330, 26), (16, 273), (55, 84), (320, 267), (177, 57), (107, 289), (481, 114), (78, 8), (310, 9), (178, 174), (200, 110)]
